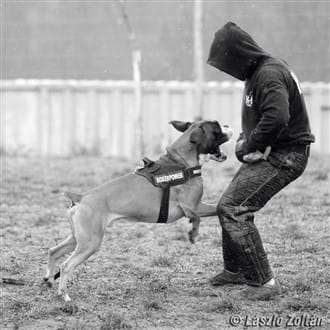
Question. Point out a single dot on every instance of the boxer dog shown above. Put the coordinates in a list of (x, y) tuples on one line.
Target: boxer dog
[(133, 197)]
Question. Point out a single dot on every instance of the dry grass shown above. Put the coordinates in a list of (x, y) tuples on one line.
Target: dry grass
[(150, 276)]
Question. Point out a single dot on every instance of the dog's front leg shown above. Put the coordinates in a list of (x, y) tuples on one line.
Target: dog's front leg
[(203, 210), (194, 219), (206, 210), (193, 233)]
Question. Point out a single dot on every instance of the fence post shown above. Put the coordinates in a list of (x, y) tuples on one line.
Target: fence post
[(44, 122), (163, 115), (94, 117), (69, 111)]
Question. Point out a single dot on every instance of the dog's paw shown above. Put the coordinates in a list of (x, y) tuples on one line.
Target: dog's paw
[(69, 308), (47, 282)]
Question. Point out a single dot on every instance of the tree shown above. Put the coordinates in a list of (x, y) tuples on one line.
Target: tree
[(136, 66), (198, 56)]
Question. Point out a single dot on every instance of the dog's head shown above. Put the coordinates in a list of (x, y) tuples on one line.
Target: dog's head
[(207, 135)]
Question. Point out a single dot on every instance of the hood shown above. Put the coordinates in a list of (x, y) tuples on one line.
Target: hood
[(234, 52)]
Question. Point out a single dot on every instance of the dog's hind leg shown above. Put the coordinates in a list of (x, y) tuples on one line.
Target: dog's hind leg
[(80, 254), (54, 253), (89, 232)]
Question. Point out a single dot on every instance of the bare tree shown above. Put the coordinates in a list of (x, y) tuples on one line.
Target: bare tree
[(136, 65), (198, 56)]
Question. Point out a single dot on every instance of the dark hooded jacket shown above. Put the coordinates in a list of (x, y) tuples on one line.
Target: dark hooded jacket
[(273, 109)]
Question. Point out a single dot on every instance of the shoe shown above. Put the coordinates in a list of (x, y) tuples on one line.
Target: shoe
[(264, 292), (226, 277)]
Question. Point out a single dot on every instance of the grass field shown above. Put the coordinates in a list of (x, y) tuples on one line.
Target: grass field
[(150, 276)]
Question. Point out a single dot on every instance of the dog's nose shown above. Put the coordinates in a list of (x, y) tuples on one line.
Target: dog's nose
[(227, 131)]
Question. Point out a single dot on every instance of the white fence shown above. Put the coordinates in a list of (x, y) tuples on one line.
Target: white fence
[(52, 117)]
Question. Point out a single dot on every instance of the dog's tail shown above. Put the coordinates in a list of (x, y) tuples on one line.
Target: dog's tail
[(74, 198)]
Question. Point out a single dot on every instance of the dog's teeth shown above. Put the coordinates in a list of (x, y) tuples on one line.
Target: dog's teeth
[(205, 158)]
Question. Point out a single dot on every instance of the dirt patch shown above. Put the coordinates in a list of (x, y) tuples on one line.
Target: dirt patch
[(150, 276)]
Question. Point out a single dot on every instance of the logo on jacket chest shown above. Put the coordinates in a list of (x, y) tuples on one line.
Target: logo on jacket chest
[(249, 99)]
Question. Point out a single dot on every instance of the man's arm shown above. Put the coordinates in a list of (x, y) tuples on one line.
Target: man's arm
[(272, 98)]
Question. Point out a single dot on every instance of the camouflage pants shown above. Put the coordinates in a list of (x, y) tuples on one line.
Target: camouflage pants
[(251, 188)]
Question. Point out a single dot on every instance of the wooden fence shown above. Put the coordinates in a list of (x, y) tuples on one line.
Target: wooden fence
[(61, 118)]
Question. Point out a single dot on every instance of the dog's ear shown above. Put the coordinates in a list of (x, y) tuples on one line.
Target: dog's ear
[(181, 126), (197, 136)]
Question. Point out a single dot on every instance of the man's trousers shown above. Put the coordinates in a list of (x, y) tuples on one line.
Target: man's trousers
[(251, 188)]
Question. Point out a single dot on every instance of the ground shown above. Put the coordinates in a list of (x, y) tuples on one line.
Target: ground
[(149, 276)]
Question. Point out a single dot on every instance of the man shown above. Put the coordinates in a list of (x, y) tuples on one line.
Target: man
[(273, 115)]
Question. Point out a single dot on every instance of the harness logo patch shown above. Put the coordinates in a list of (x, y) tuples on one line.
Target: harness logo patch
[(169, 178), (249, 99)]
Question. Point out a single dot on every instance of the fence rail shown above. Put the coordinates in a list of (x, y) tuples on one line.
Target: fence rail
[(65, 117)]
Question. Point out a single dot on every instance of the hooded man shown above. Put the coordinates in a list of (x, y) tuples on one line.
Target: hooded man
[(273, 115)]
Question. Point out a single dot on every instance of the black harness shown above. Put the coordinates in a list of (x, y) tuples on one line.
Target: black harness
[(166, 173)]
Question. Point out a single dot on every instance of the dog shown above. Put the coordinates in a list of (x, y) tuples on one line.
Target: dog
[(133, 198)]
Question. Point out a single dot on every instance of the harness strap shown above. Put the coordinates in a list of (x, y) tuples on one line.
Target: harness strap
[(177, 177), (189, 173), (163, 211), (165, 174)]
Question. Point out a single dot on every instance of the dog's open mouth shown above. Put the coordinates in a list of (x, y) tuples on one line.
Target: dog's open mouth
[(218, 155)]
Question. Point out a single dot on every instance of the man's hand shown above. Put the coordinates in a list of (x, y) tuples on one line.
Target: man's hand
[(257, 156), (244, 154), (241, 148)]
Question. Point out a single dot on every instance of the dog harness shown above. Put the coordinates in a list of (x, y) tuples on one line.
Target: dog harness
[(166, 173)]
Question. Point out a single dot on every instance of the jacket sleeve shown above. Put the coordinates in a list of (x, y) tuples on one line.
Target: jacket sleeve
[(272, 101)]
